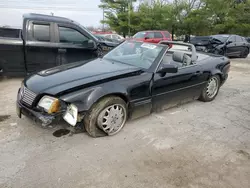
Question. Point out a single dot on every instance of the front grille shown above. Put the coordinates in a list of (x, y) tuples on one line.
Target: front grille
[(27, 96)]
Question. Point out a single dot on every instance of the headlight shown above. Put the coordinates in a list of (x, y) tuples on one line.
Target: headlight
[(49, 104)]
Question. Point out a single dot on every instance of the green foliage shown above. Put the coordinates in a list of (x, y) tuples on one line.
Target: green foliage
[(197, 17), (117, 14)]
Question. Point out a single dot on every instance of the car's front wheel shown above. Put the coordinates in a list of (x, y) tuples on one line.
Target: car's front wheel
[(211, 89), (244, 53), (106, 117)]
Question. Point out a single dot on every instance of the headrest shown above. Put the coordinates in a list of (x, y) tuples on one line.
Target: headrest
[(178, 56)]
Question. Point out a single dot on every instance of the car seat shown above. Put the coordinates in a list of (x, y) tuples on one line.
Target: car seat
[(183, 58)]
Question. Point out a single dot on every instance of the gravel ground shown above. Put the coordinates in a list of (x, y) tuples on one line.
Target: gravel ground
[(192, 146)]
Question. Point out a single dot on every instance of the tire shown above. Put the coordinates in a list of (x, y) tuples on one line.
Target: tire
[(219, 52), (244, 53), (205, 96), (92, 118)]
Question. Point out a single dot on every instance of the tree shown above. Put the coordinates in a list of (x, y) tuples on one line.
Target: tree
[(118, 14), (198, 17)]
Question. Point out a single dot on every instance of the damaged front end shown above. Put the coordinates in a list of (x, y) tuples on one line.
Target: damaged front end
[(213, 45), (47, 110)]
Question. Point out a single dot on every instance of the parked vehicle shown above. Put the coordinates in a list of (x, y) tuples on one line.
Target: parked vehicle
[(228, 45), (102, 32), (131, 81), (200, 42), (248, 39), (152, 36), (47, 41), (110, 43), (104, 38), (114, 37)]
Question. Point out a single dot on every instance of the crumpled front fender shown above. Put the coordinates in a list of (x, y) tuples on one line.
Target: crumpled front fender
[(85, 98)]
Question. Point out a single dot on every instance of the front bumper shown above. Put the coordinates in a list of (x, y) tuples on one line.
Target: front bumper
[(43, 118)]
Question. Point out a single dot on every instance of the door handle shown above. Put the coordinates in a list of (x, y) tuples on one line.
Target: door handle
[(62, 50)]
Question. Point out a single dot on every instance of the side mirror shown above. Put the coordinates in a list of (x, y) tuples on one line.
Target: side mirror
[(91, 44), (168, 68), (146, 38), (229, 42)]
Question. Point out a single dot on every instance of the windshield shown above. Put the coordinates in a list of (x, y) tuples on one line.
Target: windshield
[(135, 53), (139, 35), (221, 38)]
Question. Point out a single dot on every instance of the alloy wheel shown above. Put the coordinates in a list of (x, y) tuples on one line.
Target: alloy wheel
[(112, 119), (212, 87)]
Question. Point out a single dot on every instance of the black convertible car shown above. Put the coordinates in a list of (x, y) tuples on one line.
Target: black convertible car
[(132, 80)]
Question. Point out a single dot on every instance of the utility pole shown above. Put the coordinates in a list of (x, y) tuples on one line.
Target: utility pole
[(129, 7), (103, 17)]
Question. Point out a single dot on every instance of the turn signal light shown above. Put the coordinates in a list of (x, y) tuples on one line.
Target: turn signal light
[(55, 107)]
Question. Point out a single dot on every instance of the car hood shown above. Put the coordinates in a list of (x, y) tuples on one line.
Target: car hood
[(77, 76)]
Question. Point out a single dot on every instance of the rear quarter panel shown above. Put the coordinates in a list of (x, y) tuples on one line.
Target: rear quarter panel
[(215, 65)]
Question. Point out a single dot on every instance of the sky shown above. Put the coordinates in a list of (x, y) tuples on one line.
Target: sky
[(85, 12)]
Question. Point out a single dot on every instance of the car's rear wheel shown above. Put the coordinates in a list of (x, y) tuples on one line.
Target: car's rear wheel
[(211, 89), (244, 53), (107, 117)]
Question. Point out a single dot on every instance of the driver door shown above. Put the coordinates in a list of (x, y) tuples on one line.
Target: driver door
[(231, 48), (173, 89), (72, 45)]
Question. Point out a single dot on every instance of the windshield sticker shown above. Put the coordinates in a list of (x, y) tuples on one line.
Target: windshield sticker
[(149, 46)]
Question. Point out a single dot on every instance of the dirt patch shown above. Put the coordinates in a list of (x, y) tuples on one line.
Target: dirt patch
[(244, 153), (4, 117)]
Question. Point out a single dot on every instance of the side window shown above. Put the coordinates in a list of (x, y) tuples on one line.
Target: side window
[(244, 39), (108, 36), (115, 37), (158, 35), (69, 35), (232, 39), (238, 39), (150, 35), (41, 32), (167, 34)]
